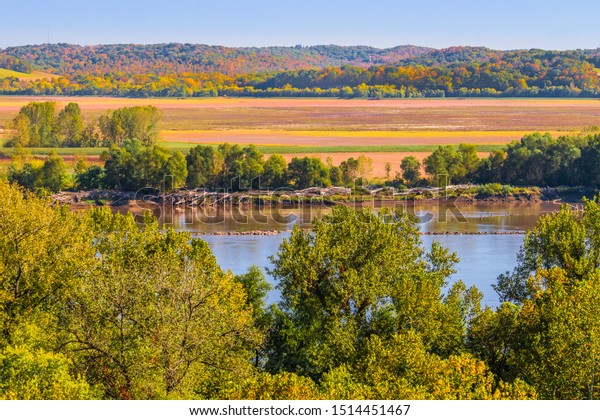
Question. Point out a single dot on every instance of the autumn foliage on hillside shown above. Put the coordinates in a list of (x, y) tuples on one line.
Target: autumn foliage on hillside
[(328, 70)]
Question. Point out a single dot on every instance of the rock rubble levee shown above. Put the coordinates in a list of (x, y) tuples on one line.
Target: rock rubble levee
[(241, 233), (277, 232), (199, 197), (314, 196), (502, 232)]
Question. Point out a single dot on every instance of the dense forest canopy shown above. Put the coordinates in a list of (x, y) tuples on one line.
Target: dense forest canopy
[(326, 70), (67, 59), (15, 64), (123, 310)]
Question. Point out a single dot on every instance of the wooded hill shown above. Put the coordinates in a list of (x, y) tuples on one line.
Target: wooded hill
[(326, 70), (67, 59)]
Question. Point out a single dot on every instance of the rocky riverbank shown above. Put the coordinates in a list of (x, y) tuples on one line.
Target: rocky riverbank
[(242, 233), (200, 197), (501, 232), (277, 232), (311, 196)]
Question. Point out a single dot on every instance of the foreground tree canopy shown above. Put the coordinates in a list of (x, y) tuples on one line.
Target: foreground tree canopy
[(136, 312), (98, 305)]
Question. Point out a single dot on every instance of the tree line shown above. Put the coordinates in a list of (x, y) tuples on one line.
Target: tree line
[(142, 71), (38, 125), (114, 309), (134, 166), (175, 58), (535, 160)]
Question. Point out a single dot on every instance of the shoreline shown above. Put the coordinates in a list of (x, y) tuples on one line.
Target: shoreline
[(271, 232), (314, 197)]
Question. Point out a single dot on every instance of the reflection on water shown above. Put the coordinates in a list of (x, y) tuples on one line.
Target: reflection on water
[(432, 216), (482, 257)]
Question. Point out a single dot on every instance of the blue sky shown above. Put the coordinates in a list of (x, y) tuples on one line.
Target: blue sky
[(507, 24)]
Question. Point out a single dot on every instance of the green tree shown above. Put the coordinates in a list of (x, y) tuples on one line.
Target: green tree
[(264, 386), (441, 162), (490, 169), (134, 166), (175, 171), (135, 312), (35, 125), (357, 274), (257, 288), (90, 136), (308, 172), (492, 337), (155, 316), (469, 161), (202, 166), (22, 131), (458, 165), (565, 240), (549, 337), (364, 167), (26, 173), (402, 368), (559, 330), (252, 167), (90, 178), (275, 172), (40, 176), (542, 160), (118, 168), (587, 171), (411, 169), (43, 251), (53, 175), (138, 122), (39, 375), (70, 126), (240, 168), (336, 176), (349, 170)]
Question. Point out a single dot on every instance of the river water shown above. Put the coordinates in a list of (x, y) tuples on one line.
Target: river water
[(482, 257)]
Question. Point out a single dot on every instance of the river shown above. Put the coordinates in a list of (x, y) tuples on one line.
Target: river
[(482, 257)]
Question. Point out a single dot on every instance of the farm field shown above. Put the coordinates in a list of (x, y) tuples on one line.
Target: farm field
[(4, 73), (386, 130), (198, 115), (341, 138)]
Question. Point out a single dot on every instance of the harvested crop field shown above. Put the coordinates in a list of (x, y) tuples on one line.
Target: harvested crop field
[(340, 138), (305, 114)]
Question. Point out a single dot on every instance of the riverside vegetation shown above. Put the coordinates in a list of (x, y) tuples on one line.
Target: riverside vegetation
[(95, 305)]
